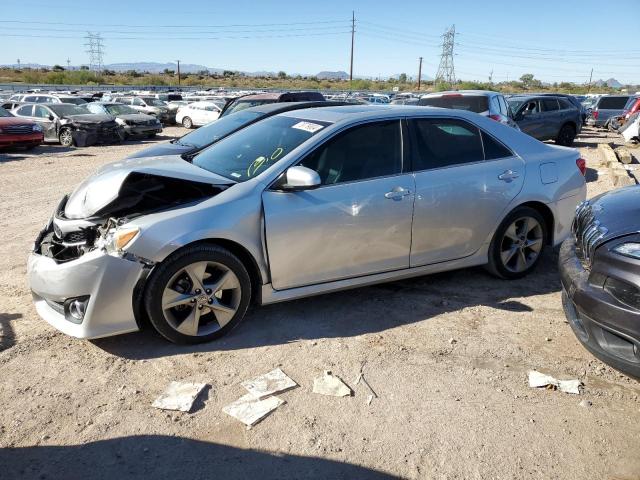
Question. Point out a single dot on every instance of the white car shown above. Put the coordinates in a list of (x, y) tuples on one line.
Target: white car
[(197, 114)]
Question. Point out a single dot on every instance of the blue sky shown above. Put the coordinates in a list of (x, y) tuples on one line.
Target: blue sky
[(554, 40)]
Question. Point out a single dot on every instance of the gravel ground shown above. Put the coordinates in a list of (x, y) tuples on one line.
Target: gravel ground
[(447, 354)]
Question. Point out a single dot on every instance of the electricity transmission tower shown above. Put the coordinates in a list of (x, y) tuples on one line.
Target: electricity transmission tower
[(446, 71), (95, 49)]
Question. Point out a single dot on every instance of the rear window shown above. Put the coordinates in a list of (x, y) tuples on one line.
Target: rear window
[(612, 103), (471, 103)]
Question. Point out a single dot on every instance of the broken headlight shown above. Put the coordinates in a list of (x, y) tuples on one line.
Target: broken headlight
[(115, 240)]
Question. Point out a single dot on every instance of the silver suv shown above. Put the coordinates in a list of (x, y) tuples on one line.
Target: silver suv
[(486, 103)]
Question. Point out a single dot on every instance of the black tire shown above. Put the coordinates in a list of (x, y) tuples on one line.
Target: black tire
[(566, 135), (496, 265), (163, 274), (151, 135), (187, 122), (65, 137)]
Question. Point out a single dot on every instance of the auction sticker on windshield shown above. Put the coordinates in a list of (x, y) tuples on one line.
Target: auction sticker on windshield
[(308, 126)]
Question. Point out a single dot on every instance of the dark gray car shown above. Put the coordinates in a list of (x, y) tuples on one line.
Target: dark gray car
[(133, 122), (547, 118), (195, 141)]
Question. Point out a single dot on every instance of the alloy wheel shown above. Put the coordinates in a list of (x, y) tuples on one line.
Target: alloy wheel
[(65, 138), (521, 244), (201, 298)]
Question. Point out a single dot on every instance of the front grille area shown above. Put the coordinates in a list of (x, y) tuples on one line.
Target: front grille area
[(75, 237), (20, 129), (587, 232)]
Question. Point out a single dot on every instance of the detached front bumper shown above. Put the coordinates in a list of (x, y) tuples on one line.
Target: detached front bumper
[(607, 328), (107, 281)]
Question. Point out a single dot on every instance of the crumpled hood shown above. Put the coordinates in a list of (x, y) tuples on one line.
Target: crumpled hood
[(103, 187), (615, 210), (137, 117), (90, 118)]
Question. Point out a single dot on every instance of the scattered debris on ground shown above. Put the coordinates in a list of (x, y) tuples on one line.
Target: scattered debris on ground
[(361, 378), (329, 384), (537, 380), (275, 381), (250, 410), (179, 396)]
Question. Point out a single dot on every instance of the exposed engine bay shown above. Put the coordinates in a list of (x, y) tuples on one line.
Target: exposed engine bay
[(65, 239)]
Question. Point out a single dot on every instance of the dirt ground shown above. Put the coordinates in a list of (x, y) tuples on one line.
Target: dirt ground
[(447, 354)]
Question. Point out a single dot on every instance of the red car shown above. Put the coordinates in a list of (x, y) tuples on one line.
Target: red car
[(19, 132)]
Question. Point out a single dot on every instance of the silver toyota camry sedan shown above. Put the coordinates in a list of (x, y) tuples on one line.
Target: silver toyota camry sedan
[(301, 203)]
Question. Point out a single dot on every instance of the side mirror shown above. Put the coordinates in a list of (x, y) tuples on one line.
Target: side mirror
[(300, 178), (51, 117)]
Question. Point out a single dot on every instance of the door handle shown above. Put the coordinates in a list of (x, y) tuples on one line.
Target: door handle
[(508, 175), (397, 193)]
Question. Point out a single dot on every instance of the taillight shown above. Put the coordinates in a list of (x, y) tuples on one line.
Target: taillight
[(495, 117), (582, 165), (595, 114)]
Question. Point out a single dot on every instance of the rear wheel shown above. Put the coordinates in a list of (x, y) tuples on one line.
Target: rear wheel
[(66, 139), (187, 122), (198, 294), (517, 244), (566, 135)]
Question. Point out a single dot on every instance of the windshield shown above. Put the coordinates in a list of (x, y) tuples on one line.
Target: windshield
[(515, 104), (257, 147), (242, 104), (64, 109), (218, 129), (471, 103), (154, 102), (73, 100), (4, 113), (116, 110)]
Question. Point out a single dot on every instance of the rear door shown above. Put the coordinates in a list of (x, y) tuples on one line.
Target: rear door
[(552, 117), (465, 179), (358, 222)]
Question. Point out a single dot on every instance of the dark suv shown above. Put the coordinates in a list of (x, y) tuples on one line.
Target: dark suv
[(600, 272), (253, 100), (546, 117)]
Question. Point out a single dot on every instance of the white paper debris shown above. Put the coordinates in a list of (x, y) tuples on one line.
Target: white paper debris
[(250, 410), (308, 126), (268, 384), (329, 384), (537, 379), (179, 396)]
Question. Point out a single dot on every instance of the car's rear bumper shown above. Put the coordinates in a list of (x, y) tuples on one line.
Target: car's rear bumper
[(607, 328), (25, 140), (107, 281)]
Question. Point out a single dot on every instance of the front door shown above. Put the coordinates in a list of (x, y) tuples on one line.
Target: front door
[(531, 120), (465, 179), (47, 121), (358, 222)]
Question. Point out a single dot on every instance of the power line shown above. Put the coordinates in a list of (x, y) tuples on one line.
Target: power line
[(446, 71), (170, 26), (179, 38)]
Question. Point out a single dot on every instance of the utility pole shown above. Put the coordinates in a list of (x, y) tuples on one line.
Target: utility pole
[(178, 72), (491, 77), (419, 73), (18, 64), (68, 64), (353, 36), (446, 71), (590, 78)]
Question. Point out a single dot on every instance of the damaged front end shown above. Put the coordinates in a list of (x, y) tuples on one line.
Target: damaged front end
[(95, 216), (87, 133)]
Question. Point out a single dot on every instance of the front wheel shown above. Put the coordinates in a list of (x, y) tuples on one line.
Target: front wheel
[(66, 139), (517, 244), (187, 122), (198, 294)]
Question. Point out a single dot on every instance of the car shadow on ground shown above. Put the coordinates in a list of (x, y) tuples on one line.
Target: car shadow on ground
[(349, 313), (591, 175), (161, 457), (7, 337)]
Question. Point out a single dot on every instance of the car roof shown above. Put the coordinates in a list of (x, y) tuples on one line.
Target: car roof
[(366, 112), (273, 108), (461, 92)]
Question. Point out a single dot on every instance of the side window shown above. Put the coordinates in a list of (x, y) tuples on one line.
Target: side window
[(532, 107), (31, 99), (565, 104), (504, 108), (25, 111), (138, 103), (40, 112), (495, 105), (444, 142), (550, 105), (494, 149), (362, 152)]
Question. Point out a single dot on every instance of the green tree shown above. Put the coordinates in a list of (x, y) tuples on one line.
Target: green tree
[(282, 75), (402, 78)]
